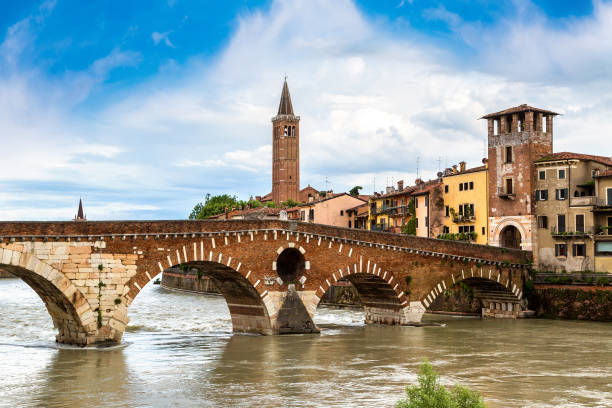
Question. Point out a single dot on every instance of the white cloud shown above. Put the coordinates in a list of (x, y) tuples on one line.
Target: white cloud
[(159, 37), (370, 104)]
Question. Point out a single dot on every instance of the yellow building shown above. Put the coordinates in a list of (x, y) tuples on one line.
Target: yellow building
[(466, 202), (389, 212)]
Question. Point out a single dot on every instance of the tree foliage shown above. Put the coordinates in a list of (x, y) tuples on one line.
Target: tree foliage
[(431, 394), (355, 191), (410, 226), (214, 205)]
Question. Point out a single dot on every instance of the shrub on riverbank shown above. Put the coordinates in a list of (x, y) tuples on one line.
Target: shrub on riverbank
[(431, 394)]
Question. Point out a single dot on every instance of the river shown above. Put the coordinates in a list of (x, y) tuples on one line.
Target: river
[(179, 351)]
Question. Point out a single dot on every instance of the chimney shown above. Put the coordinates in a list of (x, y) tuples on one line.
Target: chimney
[(462, 166), (455, 169), (389, 189), (418, 181), (400, 185)]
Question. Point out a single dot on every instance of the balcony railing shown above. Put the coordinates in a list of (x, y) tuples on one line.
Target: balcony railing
[(385, 209), (459, 218), (502, 193), (585, 201), (379, 227), (567, 233)]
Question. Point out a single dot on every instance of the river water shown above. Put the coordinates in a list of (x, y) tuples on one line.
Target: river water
[(179, 351)]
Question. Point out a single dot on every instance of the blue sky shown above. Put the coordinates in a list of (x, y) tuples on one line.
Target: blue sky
[(142, 110)]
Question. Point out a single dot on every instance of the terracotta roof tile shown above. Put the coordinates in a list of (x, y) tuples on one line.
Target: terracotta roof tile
[(517, 109), (577, 156)]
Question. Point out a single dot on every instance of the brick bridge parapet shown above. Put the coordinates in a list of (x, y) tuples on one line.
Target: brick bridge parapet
[(272, 273)]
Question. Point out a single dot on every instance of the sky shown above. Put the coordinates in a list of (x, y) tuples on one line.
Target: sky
[(142, 108)]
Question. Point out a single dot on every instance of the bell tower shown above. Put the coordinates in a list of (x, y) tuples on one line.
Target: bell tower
[(285, 151)]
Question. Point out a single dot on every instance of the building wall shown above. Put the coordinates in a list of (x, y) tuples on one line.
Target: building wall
[(576, 173), (603, 263), (333, 211), (421, 204), (477, 196), (527, 145)]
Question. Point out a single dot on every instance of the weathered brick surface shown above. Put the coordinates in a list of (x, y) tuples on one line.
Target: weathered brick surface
[(61, 261)]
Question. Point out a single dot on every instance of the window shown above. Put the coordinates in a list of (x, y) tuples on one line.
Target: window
[(465, 186), (609, 195), (542, 221), (460, 209), (579, 222), (471, 185), (447, 210), (426, 222), (416, 223), (541, 195), (579, 250), (471, 207), (508, 154), (426, 201), (416, 202), (311, 215), (560, 249), (445, 230), (509, 189), (460, 186), (484, 231), (603, 248), (446, 188), (561, 173), (341, 212), (542, 174), (561, 223), (349, 223), (561, 194), (466, 228), (302, 215)]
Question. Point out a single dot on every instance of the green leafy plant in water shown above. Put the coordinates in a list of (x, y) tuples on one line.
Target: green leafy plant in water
[(100, 286), (429, 393)]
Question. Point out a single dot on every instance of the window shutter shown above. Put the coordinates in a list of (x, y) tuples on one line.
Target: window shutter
[(556, 249), (566, 195), (556, 194), (574, 250)]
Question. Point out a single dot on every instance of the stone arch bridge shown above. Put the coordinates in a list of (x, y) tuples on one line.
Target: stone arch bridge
[(271, 273)]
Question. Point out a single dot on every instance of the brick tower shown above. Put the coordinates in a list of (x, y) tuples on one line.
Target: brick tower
[(517, 137), (285, 151)]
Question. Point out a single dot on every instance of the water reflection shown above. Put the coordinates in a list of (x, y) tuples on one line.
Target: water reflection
[(186, 355)]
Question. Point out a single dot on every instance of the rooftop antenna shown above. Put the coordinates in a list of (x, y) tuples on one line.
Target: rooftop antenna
[(418, 163), (374, 184), (439, 162)]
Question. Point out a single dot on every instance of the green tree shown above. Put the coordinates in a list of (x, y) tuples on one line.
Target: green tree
[(355, 191), (213, 206), (431, 394), (410, 227), (289, 203)]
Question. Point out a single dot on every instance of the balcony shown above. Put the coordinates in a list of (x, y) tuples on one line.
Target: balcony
[(567, 234), (584, 201), (379, 227), (503, 194), (463, 219)]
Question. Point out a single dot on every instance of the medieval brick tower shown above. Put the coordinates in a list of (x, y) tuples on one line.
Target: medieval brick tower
[(517, 137), (285, 151)]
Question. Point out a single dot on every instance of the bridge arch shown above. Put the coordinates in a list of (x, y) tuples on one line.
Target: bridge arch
[(70, 311), (248, 302), (497, 289)]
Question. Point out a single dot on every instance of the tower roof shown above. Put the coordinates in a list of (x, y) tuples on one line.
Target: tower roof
[(285, 107), (80, 214), (517, 109)]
